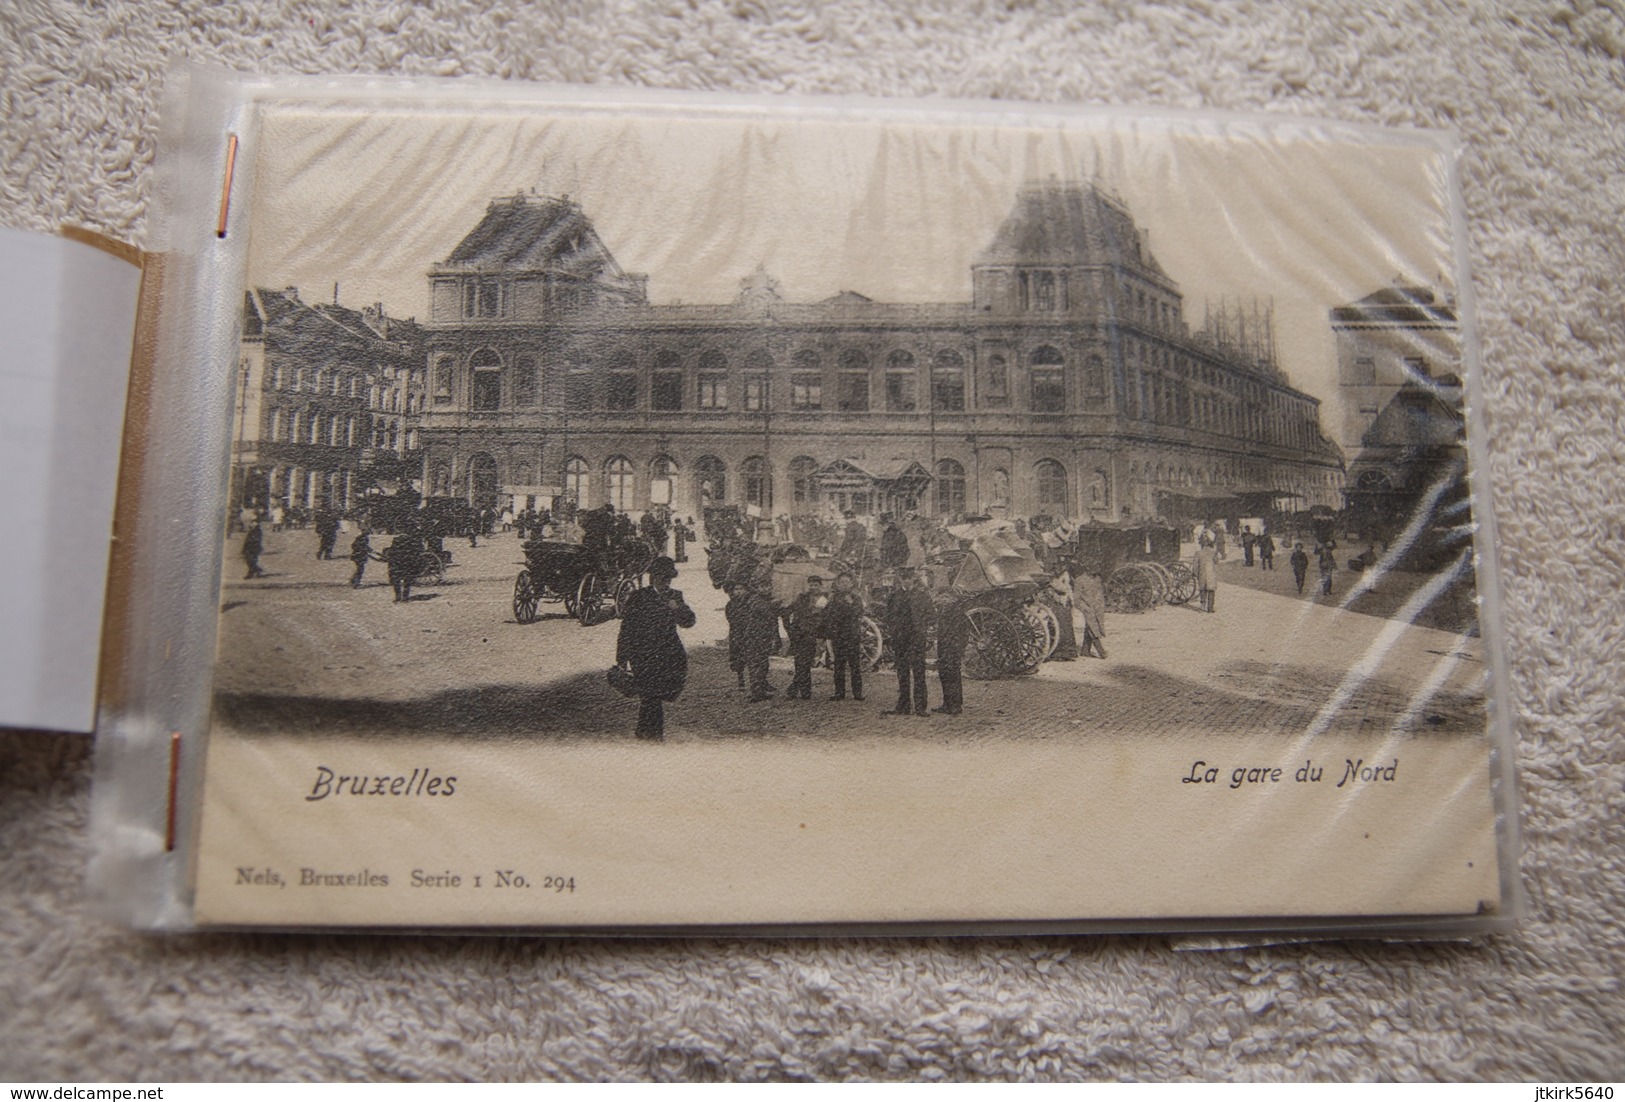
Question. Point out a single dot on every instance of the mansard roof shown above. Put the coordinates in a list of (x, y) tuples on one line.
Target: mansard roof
[(536, 233), (1059, 223), (1404, 303)]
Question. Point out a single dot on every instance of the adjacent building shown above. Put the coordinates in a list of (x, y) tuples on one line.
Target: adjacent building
[(327, 402), (1071, 385), (1399, 363)]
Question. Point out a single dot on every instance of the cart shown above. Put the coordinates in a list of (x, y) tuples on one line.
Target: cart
[(555, 571)]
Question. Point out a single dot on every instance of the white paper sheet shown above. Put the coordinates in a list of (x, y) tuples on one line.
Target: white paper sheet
[(68, 312)]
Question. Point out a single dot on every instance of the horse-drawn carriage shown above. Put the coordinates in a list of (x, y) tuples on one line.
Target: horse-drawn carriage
[(584, 579), (1140, 566)]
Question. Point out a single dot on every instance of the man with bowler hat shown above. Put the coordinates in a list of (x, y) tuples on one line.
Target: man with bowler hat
[(648, 646)]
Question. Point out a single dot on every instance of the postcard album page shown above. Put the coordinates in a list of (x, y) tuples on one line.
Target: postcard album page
[(683, 514)]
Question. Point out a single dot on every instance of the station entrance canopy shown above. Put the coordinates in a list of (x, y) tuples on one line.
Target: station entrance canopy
[(866, 487)]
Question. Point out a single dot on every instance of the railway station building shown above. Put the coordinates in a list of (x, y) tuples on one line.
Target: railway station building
[(1070, 386)]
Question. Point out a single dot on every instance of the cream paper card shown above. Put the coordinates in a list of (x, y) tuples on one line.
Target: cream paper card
[(1208, 373)]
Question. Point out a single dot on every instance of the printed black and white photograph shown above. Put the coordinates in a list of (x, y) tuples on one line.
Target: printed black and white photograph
[(727, 518)]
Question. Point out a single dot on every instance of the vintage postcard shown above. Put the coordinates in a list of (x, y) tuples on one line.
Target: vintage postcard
[(671, 517)]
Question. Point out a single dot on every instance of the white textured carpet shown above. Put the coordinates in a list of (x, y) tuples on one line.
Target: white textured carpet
[(1538, 91)]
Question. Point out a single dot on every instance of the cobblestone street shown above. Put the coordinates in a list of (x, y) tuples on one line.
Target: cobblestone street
[(302, 651)]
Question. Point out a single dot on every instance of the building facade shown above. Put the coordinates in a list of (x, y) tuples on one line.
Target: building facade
[(1394, 337), (1071, 386), (327, 402)]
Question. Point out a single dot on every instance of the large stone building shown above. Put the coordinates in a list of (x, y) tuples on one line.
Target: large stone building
[(327, 399), (1399, 363), (1070, 386), (1399, 335)]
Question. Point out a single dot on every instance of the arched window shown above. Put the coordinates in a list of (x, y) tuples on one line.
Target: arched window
[(806, 380), (276, 424), (948, 382), (900, 382), (712, 380), (758, 478), (758, 370), (950, 488), (666, 389), (578, 386), (618, 483), (577, 482), (803, 485), (1050, 477), (485, 382), (1048, 380), (621, 389), (710, 481), (853, 396), (525, 390)]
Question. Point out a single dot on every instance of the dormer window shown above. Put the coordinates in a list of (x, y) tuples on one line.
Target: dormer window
[(482, 298)]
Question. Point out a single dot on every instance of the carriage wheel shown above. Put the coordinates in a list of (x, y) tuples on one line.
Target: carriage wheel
[(623, 593), (569, 599), (1163, 580), (589, 600), (524, 599), (434, 570), (1183, 579), (1130, 589), (873, 642), (1046, 629), (995, 646)]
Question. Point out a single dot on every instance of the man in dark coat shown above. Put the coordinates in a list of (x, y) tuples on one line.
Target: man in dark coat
[(1266, 550), (327, 533), (893, 545), (953, 634), (853, 541), (1300, 565), (759, 621), (910, 615), (679, 534), (843, 625), (253, 547), (360, 553), (648, 646), (404, 557), (1247, 542), (734, 610), (804, 623)]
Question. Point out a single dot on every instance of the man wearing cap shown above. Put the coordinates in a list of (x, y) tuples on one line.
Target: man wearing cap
[(649, 647), (910, 615), (843, 624)]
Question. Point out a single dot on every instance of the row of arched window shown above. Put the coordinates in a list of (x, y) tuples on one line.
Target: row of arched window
[(711, 384), (615, 482)]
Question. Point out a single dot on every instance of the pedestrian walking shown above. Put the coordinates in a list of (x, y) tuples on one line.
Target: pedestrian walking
[(1248, 540), (1266, 550), (1300, 565), (360, 553), (1089, 602), (910, 615), (404, 558), (253, 547), (804, 626), (843, 624), (650, 649), (1328, 567), (679, 541), (1207, 569), (953, 634)]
